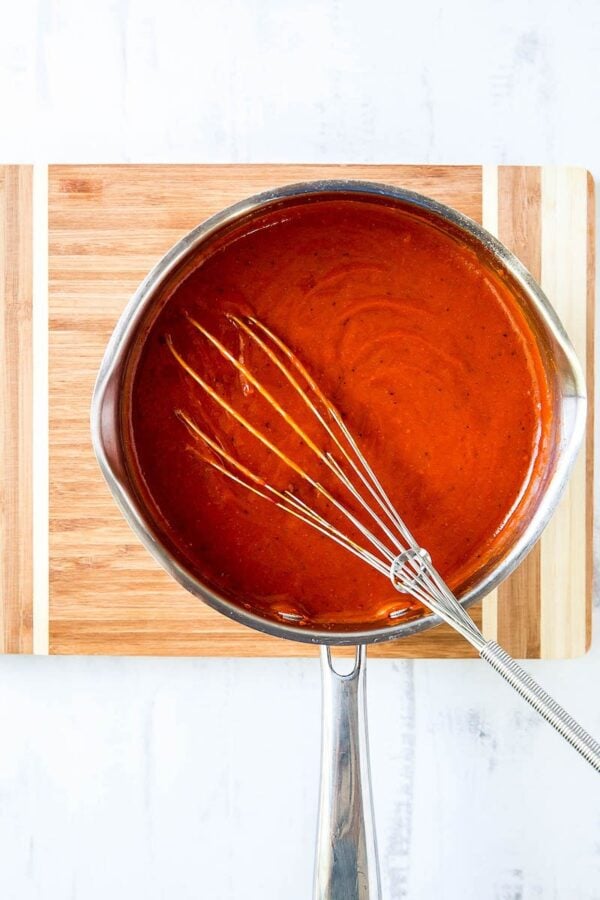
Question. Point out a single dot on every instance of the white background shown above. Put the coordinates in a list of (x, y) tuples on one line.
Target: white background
[(198, 778)]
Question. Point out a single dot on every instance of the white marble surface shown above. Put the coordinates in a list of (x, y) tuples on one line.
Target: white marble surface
[(198, 778)]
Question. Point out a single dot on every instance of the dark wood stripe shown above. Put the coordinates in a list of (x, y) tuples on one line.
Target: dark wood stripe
[(519, 227), (16, 539)]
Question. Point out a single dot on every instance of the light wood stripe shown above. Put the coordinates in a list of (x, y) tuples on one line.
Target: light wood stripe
[(15, 410), (489, 204), (564, 279), (519, 227), (591, 391), (489, 221), (40, 410)]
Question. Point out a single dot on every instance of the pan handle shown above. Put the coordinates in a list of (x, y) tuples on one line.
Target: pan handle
[(346, 865)]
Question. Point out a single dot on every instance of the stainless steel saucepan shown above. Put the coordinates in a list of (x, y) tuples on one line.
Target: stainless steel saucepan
[(346, 866)]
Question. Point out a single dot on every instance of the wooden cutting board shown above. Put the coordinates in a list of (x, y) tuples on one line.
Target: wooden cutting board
[(107, 226)]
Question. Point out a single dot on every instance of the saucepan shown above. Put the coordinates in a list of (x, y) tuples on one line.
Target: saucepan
[(346, 865)]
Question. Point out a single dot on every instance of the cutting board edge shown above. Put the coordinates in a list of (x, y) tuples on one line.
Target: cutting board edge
[(405, 167)]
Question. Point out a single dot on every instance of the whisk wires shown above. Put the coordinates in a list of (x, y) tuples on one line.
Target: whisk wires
[(390, 547)]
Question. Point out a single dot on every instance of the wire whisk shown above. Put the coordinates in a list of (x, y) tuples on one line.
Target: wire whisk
[(378, 534)]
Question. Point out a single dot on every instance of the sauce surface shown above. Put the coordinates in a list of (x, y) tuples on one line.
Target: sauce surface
[(416, 341)]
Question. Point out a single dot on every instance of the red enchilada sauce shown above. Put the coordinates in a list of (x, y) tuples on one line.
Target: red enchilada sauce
[(416, 341)]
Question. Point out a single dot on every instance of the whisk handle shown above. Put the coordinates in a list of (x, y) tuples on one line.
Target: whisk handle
[(346, 860), (537, 697)]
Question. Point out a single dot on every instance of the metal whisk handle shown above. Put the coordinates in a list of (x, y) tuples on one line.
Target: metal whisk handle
[(548, 708)]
